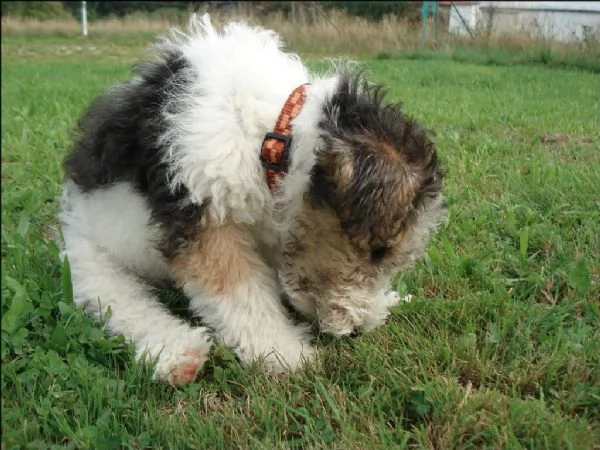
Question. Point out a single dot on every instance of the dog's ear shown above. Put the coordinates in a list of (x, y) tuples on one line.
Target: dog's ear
[(332, 172), (376, 166), (368, 185)]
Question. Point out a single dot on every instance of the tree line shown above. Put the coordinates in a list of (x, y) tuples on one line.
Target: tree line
[(373, 10)]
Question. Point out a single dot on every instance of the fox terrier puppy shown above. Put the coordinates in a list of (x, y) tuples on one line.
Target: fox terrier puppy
[(224, 167)]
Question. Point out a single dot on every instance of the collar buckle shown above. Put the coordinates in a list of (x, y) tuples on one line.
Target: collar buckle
[(281, 165)]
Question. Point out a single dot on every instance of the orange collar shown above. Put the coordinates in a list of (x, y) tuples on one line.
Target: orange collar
[(275, 150)]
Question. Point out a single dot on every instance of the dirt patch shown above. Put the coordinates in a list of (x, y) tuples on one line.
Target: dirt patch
[(553, 138), (563, 138)]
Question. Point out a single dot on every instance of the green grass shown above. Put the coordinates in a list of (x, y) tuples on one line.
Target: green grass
[(586, 58), (499, 349)]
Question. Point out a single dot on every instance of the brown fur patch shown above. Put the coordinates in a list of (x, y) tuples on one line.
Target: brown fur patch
[(370, 188), (387, 150), (219, 259)]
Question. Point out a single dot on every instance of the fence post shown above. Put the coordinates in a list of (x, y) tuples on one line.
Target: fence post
[(292, 5), (84, 30)]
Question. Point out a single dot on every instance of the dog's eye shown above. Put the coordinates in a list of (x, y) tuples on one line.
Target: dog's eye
[(378, 253)]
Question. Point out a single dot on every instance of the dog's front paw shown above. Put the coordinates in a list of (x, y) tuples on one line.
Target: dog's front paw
[(339, 320), (181, 360)]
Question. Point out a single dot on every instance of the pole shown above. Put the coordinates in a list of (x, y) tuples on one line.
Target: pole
[(293, 24), (84, 30), (324, 14)]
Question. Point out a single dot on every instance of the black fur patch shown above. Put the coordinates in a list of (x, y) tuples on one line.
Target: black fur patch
[(118, 142), (384, 150)]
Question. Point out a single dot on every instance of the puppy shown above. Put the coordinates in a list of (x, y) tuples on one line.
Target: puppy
[(225, 167)]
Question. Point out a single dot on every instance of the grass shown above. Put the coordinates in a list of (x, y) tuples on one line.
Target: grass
[(500, 347), (541, 55)]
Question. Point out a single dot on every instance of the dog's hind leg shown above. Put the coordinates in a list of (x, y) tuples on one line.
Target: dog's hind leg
[(104, 278), (235, 293)]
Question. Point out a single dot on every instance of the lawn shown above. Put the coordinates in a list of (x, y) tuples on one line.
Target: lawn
[(499, 348)]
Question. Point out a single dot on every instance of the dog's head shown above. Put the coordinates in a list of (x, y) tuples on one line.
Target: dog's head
[(374, 197)]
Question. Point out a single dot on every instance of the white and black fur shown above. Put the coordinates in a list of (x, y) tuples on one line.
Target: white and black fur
[(164, 183)]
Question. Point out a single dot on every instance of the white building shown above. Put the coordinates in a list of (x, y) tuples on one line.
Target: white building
[(563, 21)]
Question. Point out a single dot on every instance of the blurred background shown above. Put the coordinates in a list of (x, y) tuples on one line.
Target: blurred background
[(367, 29)]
